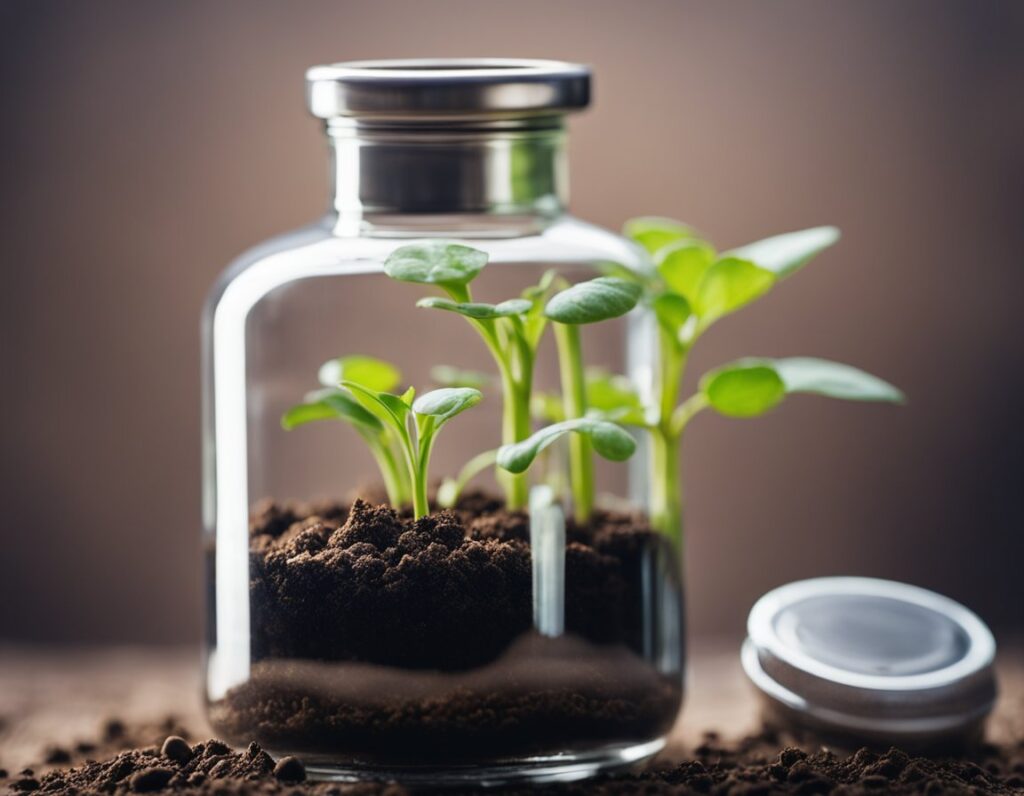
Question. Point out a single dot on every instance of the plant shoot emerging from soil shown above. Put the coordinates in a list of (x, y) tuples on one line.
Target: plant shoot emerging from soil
[(511, 330), (400, 430)]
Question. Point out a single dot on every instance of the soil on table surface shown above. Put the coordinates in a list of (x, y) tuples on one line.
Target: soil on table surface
[(397, 640), (759, 764)]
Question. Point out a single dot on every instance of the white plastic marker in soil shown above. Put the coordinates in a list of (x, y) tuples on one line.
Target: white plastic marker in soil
[(547, 549)]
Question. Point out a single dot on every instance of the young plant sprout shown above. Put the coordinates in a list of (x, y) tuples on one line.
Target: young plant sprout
[(399, 430), (333, 403), (511, 330), (588, 302), (691, 287)]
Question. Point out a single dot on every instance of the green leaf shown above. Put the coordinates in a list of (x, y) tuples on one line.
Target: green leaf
[(445, 403), (594, 300), (435, 263), (729, 284), (614, 397), (745, 388), (391, 409), (752, 386), (682, 264), (330, 404), (478, 310), (834, 380), (368, 371), (609, 440), (653, 232), (451, 376), (787, 253), (672, 312)]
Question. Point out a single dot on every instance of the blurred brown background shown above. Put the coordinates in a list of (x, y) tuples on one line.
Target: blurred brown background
[(144, 144)]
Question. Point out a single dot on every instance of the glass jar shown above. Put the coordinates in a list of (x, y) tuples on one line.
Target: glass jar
[(511, 636)]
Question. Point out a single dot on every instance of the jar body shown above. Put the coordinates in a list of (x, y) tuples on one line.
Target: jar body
[(367, 642)]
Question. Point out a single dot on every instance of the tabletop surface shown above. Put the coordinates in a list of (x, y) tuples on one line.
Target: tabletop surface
[(57, 696)]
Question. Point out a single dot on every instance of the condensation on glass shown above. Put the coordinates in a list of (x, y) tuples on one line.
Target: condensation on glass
[(427, 658)]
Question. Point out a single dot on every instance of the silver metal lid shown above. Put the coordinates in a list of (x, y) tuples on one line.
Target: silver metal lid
[(871, 658), (418, 89)]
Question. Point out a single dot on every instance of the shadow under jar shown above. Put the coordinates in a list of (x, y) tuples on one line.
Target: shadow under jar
[(476, 644)]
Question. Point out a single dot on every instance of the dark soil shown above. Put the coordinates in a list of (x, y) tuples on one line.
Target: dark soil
[(447, 592), (754, 765), (380, 637)]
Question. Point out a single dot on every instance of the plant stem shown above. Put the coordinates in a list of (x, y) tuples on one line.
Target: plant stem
[(515, 427), (425, 441), (665, 485), (395, 484), (666, 489), (574, 398)]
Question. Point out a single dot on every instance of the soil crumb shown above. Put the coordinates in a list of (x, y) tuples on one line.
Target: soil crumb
[(754, 765)]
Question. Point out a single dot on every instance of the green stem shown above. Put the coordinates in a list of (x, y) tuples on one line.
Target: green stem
[(395, 484), (425, 441), (666, 488), (665, 484), (574, 398), (515, 427), (451, 489)]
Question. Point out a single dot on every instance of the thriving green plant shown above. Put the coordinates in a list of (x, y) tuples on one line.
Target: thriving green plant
[(400, 430), (689, 288), (511, 330)]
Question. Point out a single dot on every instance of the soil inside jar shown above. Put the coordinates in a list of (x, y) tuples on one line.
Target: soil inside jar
[(376, 637)]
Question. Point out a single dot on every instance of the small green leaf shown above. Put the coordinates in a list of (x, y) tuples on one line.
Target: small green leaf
[(478, 310), (834, 380), (389, 408), (653, 232), (446, 402), (787, 253), (683, 263), (368, 371), (609, 440), (330, 404), (594, 300), (435, 263), (745, 388), (614, 398), (729, 284), (451, 376), (672, 312)]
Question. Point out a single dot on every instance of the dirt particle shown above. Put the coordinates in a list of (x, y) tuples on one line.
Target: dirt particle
[(150, 779), (290, 769), (177, 749)]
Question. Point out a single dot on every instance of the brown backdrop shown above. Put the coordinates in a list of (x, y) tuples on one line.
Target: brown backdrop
[(145, 143)]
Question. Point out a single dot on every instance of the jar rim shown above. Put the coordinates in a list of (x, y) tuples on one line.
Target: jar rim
[(419, 88)]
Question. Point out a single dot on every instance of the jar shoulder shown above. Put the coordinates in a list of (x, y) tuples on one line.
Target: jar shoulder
[(317, 250)]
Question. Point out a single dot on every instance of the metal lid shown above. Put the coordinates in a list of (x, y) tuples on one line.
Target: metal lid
[(871, 658), (429, 87)]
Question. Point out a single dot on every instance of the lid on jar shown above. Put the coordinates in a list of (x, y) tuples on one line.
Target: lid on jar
[(873, 659), (419, 89)]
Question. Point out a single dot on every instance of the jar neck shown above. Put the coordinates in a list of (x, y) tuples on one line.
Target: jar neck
[(517, 168)]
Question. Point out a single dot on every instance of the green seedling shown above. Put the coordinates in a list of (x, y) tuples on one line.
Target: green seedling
[(400, 430), (691, 287), (334, 403), (511, 330), (587, 302), (415, 423)]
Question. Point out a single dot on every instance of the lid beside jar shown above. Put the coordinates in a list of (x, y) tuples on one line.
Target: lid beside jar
[(468, 88), (873, 659)]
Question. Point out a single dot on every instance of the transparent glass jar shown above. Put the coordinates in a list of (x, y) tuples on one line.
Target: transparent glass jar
[(479, 644)]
